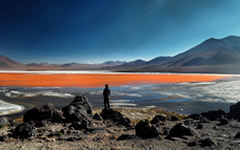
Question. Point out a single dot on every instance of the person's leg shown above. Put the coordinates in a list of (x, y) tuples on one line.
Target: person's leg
[(108, 103), (105, 105)]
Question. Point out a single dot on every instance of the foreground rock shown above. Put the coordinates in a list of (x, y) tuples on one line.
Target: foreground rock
[(195, 116), (180, 130), (80, 110), (158, 118), (235, 108), (207, 142), (24, 130), (115, 117), (110, 134), (234, 112), (213, 114), (145, 130), (48, 113)]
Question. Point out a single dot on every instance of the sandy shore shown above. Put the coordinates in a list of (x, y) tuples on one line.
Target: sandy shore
[(9, 108)]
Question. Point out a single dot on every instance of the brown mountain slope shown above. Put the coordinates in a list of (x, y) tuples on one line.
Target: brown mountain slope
[(6, 63), (211, 56)]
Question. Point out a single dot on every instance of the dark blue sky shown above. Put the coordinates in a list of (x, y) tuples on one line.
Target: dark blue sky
[(94, 31)]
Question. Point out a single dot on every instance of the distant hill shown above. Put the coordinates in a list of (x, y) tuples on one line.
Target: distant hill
[(6, 63), (158, 60), (33, 65), (114, 62), (210, 56)]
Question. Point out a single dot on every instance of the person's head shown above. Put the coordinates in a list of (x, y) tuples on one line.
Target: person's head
[(106, 85)]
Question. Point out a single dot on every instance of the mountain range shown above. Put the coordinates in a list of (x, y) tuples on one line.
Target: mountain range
[(210, 56)]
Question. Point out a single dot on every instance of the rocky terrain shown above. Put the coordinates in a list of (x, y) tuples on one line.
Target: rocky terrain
[(79, 126)]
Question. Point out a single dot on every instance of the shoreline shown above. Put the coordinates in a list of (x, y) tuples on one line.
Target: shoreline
[(11, 108), (110, 72)]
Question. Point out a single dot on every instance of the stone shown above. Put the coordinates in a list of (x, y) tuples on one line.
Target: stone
[(44, 113), (180, 130), (145, 130), (25, 131), (112, 137), (158, 118), (80, 109), (237, 135), (200, 126), (125, 122), (195, 116), (115, 117), (192, 143), (213, 114), (174, 118), (223, 121), (235, 108), (207, 142), (79, 125), (97, 117), (3, 138), (126, 137)]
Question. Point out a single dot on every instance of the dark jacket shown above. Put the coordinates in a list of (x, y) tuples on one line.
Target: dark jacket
[(106, 92)]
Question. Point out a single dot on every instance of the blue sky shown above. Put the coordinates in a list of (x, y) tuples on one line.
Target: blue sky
[(95, 31)]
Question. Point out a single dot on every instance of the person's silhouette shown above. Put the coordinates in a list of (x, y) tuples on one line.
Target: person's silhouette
[(106, 94)]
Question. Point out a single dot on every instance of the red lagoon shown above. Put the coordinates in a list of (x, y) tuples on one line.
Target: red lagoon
[(98, 80)]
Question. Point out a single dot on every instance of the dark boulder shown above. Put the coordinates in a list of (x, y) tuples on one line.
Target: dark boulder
[(97, 117), (158, 118), (79, 110), (115, 117), (213, 114), (195, 116), (145, 130), (180, 130), (237, 135), (174, 118), (24, 130), (3, 138), (207, 142), (79, 125), (125, 122), (223, 121), (235, 108), (192, 143), (44, 113), (200, 126)]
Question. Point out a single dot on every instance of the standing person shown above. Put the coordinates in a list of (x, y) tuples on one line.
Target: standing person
[(106, 94)]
